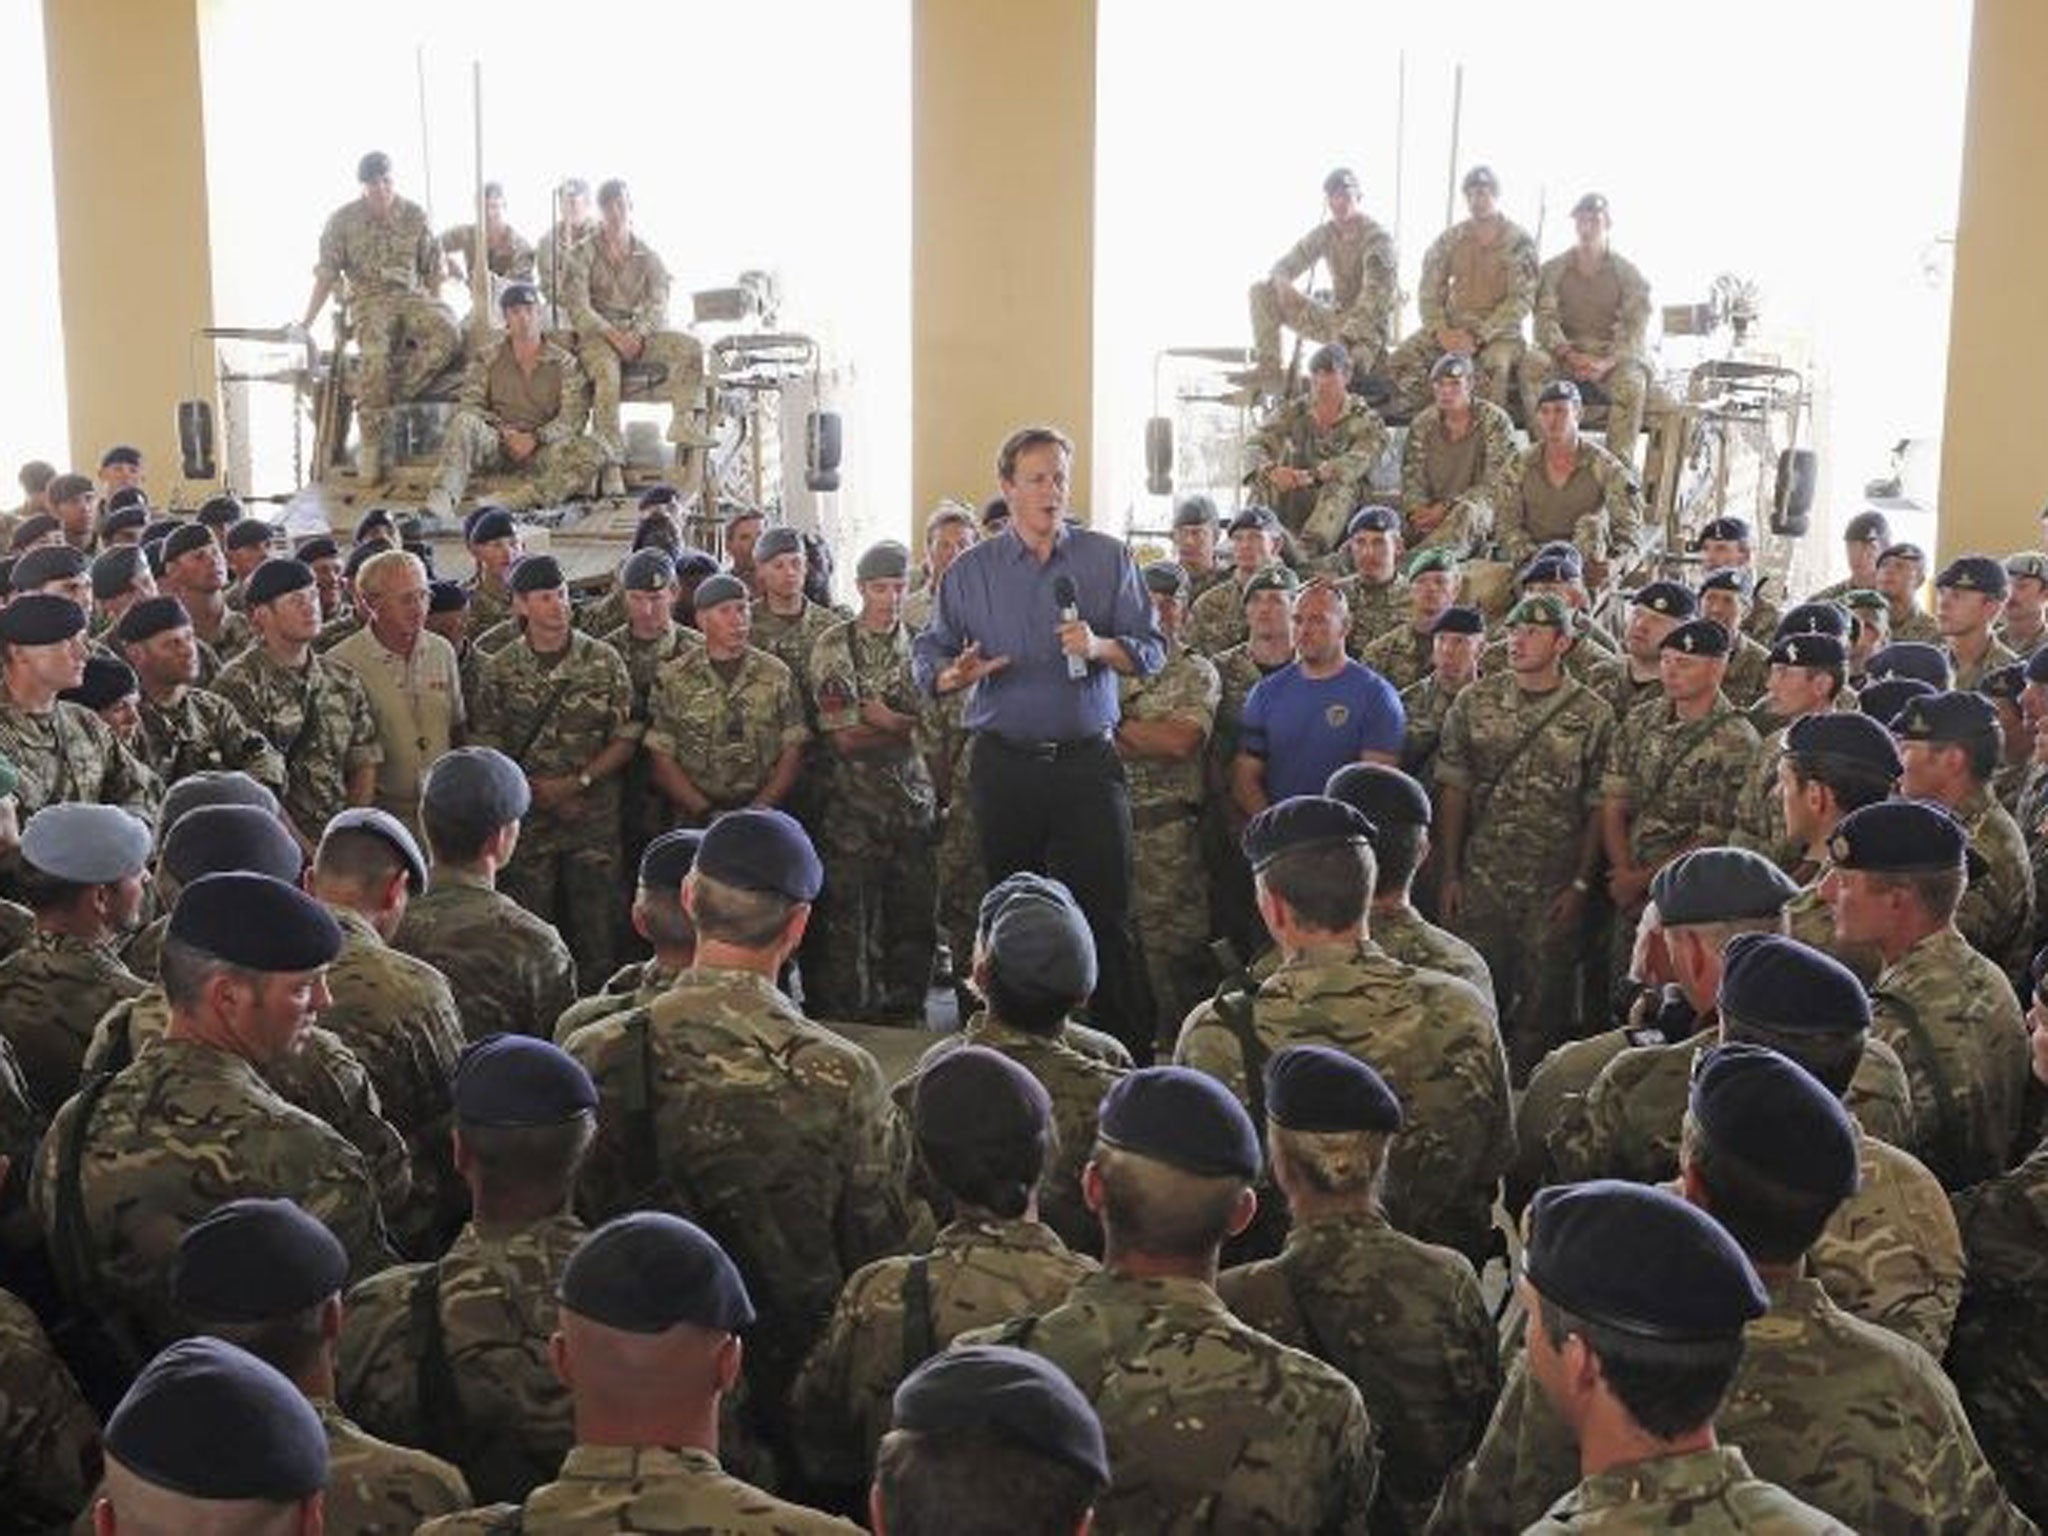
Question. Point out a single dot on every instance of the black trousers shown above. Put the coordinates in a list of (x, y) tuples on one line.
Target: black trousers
[(1063, 811)]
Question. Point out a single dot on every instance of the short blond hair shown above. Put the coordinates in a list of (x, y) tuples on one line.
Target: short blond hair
[(370, 578)]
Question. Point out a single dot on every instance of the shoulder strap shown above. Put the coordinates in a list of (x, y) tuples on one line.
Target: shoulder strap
[(1318, 1342), (1697, 739), (440, 1420), (1233, 1005), (71, 1238), (1951, 1141), (541, 718), (920, 1336), (1480, 805), (643, 1165)]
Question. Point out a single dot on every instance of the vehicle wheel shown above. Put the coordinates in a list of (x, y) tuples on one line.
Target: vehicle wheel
[(1792, 498), (822, 443)]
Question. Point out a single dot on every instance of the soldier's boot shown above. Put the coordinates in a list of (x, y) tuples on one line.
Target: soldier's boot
[(612, 482), (439, 502)]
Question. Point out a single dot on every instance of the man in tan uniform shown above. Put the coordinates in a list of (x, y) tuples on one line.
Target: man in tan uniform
[(1591, 310), (1361, 262), (1569, 489), (1457, 464), (1478, 281)]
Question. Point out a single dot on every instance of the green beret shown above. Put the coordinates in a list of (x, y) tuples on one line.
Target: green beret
[(1543, 608), (1433, 560), (1272, 578)]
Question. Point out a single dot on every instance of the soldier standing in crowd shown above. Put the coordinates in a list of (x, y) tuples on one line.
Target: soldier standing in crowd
[(2022, 626), (1901, 571), (494, 548), (382, 245), (1864, 537), (1196, 526), (1403, 654), (1478, 282), (1457, 464), (1267, 601), (1362, 278), (59, 750), (1592, 308), (647, 639), (120, 579), (1807, 675), (1727, 544), (560, 704), (1968, 595), (1636, 676), (1457, 642), (1313, 457), (659, 919), (1374, 589), (1216, 619), (1569, 488), (1724, 598)]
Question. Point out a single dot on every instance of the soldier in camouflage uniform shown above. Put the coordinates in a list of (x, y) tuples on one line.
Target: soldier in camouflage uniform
[(51, 1435), (1403, 1320), (1724, 598), (187, 729), (1431, 1036), (983, 1131), (1568, 488), (560, 705), (507, 254), (2022, 625), (1208, 1422), (453, 1355), (1807, 673), (1967, 597), (1405, 654), (1196, 527), (522, 409), (1519, 768), (189, 1124), (1478, 282), (881, 881), (1457, 640), (1312, 459), (722, 1100), (1162, 739), (1457, 464), (647, 639), (385, 249), (1267, 601), (1895, 879), (1362, 278), (659, 919), (1216, 619), (1374, 588), (1592, 308), (1901, 572), (492, 539), (314, 712), (1636, 675), (59, 750), (1727, 543)]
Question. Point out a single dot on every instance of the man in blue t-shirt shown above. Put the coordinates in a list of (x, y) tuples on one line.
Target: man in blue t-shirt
[(1319, 712)]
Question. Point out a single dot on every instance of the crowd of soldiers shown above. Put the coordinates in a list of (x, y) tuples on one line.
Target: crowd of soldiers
[(433, 1097)]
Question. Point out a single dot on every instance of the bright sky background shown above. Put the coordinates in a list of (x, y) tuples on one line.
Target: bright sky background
[(773, 135), (1811, 145), (32, 401)]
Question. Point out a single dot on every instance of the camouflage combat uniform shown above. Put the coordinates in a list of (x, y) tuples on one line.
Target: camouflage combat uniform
[(177, 1133), (1341, 456), (509, 971), (489, 606), (881, 876), (1997, 911), (203, 731), (453, 1356), (1952, 1017), (1426, 704), (1409, 937), (393, 267), (1169, 890), (1470, 285), (319, 718), (1678, 778), (1710, 1492), (1914, 623), (375, 1488), (948, 748), (550, 401), (69, 753), (1970, 673), (980, 1271), (552, 715), (644, 811), (1216, 621), (631, 986), (725, 735), (1375, 607), (51, 1436), (52, 993), (509, 256), (1210, 1425), (1748, 674), (1759, 823), (1402, 655), (1604, 314), (1599, 508), (1430, 1036), (1360, 258), (629, 293), (1475, 474), (1405, 1322)]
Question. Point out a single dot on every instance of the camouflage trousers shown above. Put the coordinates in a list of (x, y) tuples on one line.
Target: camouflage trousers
[(880, 905), (1465, 528), (1411, 361), (1535, 972), (683, 358), (385, 325), (567, 873), (1316, 517), (1275, 303), (2005, 1394), (556, 472), (961, 879), (1624, 391), (1170, 911)]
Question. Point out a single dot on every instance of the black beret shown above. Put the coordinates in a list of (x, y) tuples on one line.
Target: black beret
[(40, 618), (447, 597), (657, 530), (121, 453), (973, 1096), (1729, 578), (885, 561), (85, 843), (538, 573), (1166, 577), (1558, 389), (1724, 530), (253, 1260), (1782, 985), (1852, 740), (382, 824), (371, 521), (518, 293), (1254, 519), (115, 570), (361, 555), (486, 525), (276, 578), (218, 512), (255, 922), (1673, 599), (1551, 569), (320, 547), (224, 839), (1775, 1117), (121, 519), (762, 850), (516, 1080), (1452, 365), (1719, 885), (52, 562), (481, 781), (1385, 796), (184, 539), (107, 680), (2007, 682), (1320, 1088), (1459, 621), (1302, 821), (695, 564), (1373, 519), (1808, 650), (149, 617), (1181, 1117), (719, 588), (1010, 1395), (7, 575), (250, 533), (647, 570), (1274, 578), (665, 861), (1974, 573), (779, 540), (1043, 947), (202, 1398), (1330, 357), (1866, 527), (660, 496), (1910, 658), (1813, 619), (1698, 637), (1640, 1261), (1900, 837), (40, 525), (1947, 717), (1197, 511), (127, 496), (158, 529), (1902, 551), (1885, 698), (372, 166), (649, 1272), (212, 786)]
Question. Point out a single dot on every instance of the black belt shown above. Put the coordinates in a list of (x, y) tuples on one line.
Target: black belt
[(1048, 751)]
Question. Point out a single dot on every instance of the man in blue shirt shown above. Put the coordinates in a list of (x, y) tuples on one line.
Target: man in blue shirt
[(1038, 620), (1315, 714)]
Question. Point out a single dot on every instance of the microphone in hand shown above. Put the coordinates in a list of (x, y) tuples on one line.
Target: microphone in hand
[(1069, 599)]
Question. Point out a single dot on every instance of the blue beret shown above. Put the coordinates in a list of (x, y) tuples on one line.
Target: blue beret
[(1320, 1088), (660, 496), (121, 453), (665, 861), (1673, 599), (649, 1272), (1197, 511), (1884, 699), (1303, 821), (1023, 883), (1719, 885), (382, 824), (1558, 389), (1640, 1261), (1727, 529), (186, 539), (250, 533), (212, 786), (210, 1421), (86, 844), (538, 573), (973, 1096), (1782, 985), (1777, 1118), (1900, 837), (516, 1080), (276, 578), (1550, 570), (225, 839), (52, 562), (320, 547), (779, 540), (1010, 1395), (1452, 365), (2006, 683), (647, 570), (1043, 948), (486, 525), (885, 561), (1947, 717), (255, 922), (696, 563), (757, 850), (107, 680), (252, 1260), (1254, 519), (1911, 658), (481, 781), (1373, 519), (1698, 637), (1729, 578), (1856, 741), (1166, 577), (447, 597), (1330, 357), (40, 618), (1183, 1118), (1459, 621), (715, 589), (1813, 619), (1809, 650), (518, 293), (150, 617), (1385, 796), (1974, 573)]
